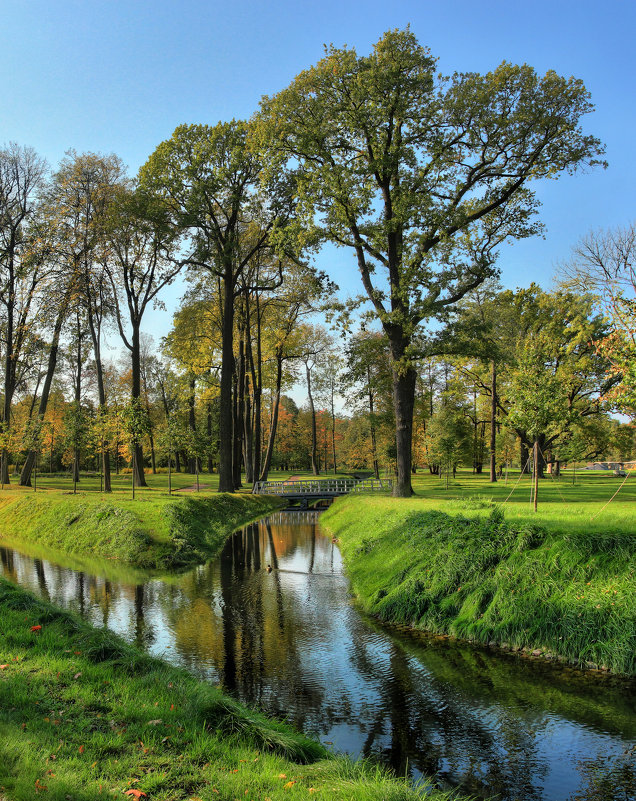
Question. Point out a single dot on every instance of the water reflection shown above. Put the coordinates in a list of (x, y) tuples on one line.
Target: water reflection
[(271, 621)]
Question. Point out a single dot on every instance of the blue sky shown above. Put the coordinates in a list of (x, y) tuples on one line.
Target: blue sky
[(113, 76)]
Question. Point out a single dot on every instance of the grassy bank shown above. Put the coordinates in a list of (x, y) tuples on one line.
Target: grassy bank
[(83, 715), (474, 575), (154, 531)]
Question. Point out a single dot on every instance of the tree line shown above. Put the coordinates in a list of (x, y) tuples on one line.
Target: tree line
[(423, 177)]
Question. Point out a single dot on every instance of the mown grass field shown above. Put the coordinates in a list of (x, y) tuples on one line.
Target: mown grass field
[(459, 561), (85, 716)]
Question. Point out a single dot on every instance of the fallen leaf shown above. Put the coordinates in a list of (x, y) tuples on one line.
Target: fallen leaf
[(3, 667), (77, 675), (282, 775), (81, 749), (35, 628), (154, 722), (136, 793), (288, 785)]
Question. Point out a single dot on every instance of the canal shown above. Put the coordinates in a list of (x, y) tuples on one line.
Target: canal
[(271, 620)]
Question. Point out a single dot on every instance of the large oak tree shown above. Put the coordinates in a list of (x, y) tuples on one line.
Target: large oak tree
[(422, 177)]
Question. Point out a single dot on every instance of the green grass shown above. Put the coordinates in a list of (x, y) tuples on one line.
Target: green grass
[(153, 531), (550, 582), (563, 505), (85, 716)]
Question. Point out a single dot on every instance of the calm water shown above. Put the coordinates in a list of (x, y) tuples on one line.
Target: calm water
[(291, 642)]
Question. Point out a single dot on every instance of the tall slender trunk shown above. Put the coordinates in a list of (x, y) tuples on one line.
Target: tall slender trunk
[(94, 328), (536, 473), (192, 423), (239, 428), (9, 369), (257, 391), (333, 429), (248, 437), (315, 469), (226, 478), (493, 423), (153, 461), (209, 433), (138, 461), (25, 476), (374, 449), (272, 431)]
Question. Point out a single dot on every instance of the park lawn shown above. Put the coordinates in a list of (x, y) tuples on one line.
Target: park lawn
[(554, 582), (563, 505), (84, 715), (153, 531)]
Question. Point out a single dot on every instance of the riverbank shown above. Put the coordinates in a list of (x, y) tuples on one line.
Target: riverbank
[(84, 714), (517, 585), (153, 531)]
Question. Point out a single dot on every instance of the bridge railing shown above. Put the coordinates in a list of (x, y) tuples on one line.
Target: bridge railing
[(329, 486)]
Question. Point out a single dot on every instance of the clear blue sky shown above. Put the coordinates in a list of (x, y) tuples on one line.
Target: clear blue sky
[(114, 76)]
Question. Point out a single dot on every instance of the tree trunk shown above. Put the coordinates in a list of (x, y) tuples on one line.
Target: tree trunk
[(25, 476), (272, 431), (404, 379), (138, 461), (314, 443), (226, 478), (9, 371), (239, 428), (192, 423), (540, 443), (374, 449), (257, 391), (101, 390), (493, 424), (523, 457), (153, 460), (536, 473), (248, 439), (333, 429), (209, 433)]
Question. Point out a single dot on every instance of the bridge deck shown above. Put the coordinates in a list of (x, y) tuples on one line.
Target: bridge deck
[(314, 489)]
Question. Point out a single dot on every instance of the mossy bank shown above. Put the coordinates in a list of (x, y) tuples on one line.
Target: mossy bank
[(157, 532), (570, 596), (85, 716)]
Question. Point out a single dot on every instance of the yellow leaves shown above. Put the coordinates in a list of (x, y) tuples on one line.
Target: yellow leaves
[(288, 785)]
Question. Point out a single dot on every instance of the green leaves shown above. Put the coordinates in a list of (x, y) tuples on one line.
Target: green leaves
[(135, 420)]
